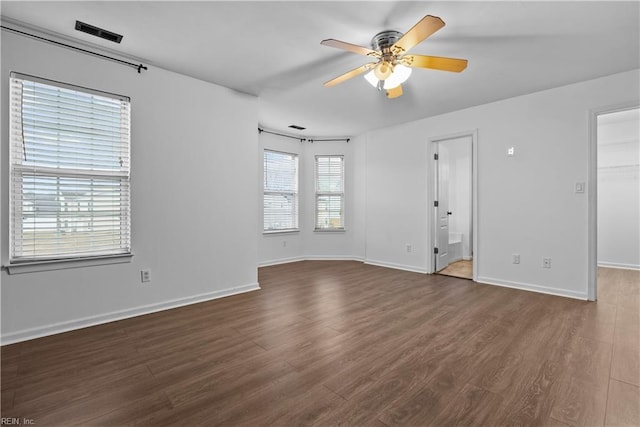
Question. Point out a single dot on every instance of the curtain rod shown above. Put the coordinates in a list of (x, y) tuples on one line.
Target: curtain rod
[(260, 130), (327, 140), (139, 67)]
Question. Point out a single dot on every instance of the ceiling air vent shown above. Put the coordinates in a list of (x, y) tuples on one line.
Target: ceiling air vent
[(296, 127), (98, 32)]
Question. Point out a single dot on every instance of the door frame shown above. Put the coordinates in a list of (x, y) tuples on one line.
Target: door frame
[(592, 190), (432, 175)]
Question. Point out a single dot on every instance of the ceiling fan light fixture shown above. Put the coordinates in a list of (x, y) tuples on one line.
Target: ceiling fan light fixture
[(400, 75), (393, 66), (383, 70), (372, 79)]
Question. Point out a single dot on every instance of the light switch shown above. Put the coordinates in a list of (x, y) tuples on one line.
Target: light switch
[(511, 151), (580, 187)]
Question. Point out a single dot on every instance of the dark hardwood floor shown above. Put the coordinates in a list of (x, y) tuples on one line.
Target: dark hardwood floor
[(342, 343)]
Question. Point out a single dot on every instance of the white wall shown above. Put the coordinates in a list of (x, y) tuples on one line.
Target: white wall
[(274, 248), (526, 203), (619, 194), (396, 205), (194, 198)]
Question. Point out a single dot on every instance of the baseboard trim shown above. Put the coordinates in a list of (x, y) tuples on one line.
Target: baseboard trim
[(343, 258), (28, 334), (619, 266), (310, 258), (280, 261), (533, 288), (410, 268), (332, 258)]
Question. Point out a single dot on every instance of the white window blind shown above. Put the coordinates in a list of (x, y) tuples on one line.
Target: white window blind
[(69, 167), (280, 191), (329, 192)]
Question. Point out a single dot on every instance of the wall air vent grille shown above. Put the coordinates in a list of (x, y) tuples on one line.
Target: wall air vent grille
[(98, 32)]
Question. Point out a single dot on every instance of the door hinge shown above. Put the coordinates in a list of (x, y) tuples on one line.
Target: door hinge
[(435, 250), (435, 203), (435, 156)]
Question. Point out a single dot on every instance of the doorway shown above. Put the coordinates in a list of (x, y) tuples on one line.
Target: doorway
[(454, 225), (616, 245)]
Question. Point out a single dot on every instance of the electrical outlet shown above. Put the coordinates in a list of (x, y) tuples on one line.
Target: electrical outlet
[(145, 276), (546, 262), (511, 151), (515, 258), (409, 247)]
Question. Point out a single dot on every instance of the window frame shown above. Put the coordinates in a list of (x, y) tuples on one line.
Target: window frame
[(295, 194), (319, 194), (19, 263)]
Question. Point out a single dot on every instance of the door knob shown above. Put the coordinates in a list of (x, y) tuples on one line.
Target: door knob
[(449, 213)]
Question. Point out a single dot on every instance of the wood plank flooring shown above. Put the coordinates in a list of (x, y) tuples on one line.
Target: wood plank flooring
[(462, 269), (342, 343)]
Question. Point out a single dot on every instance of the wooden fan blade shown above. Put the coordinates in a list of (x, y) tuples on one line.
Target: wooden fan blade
[(395, 92), (423, 29), (350, 74), (435, 62), (350, 47)]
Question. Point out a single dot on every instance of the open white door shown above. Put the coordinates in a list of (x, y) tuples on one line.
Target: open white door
[(442, 206), (454, 187)]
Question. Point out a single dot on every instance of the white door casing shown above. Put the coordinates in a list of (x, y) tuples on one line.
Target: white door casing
[(432, 195)]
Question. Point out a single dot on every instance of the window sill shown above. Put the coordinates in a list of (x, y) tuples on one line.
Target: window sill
[(63, 264), (292, 230), (329, 230)]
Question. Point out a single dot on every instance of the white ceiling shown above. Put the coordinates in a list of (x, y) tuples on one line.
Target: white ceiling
[(272, 50)]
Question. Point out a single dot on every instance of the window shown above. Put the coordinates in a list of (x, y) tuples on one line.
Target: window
[(280, 191), (329, 192), (69, 167)]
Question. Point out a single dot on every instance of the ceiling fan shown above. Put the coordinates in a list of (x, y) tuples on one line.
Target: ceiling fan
[(393, 65)]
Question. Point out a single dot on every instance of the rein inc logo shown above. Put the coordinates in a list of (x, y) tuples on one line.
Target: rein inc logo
[(16, 421)]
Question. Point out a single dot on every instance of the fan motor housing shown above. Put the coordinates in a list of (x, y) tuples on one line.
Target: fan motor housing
[(385, 39)]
